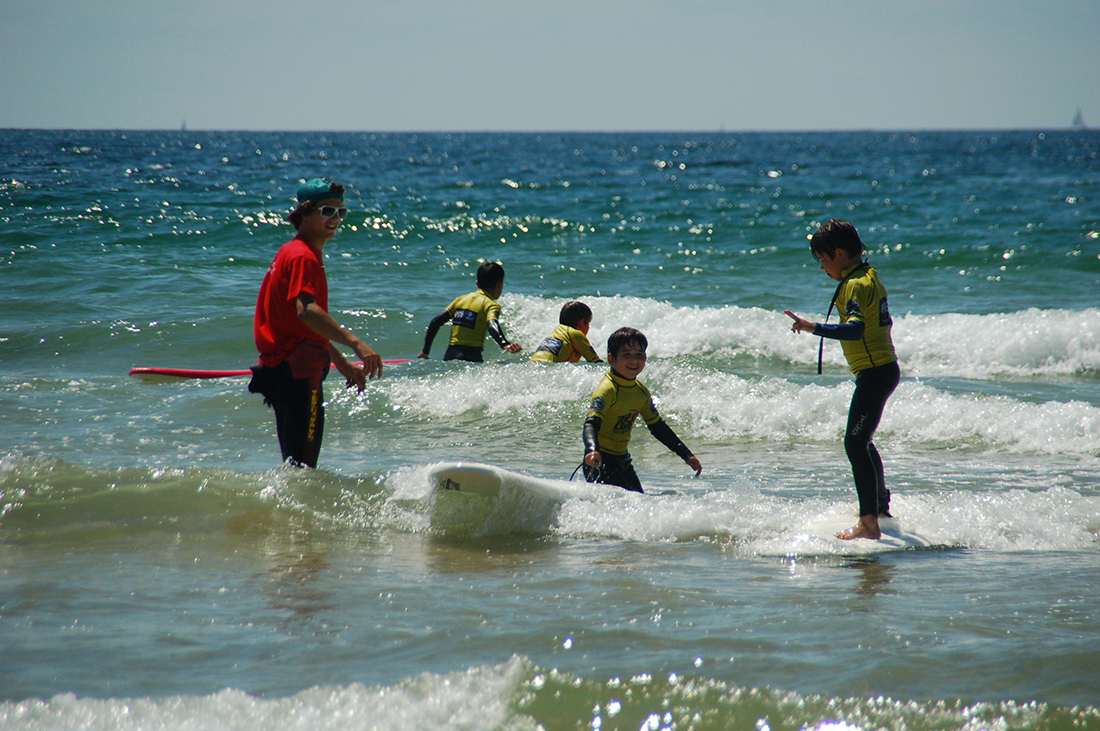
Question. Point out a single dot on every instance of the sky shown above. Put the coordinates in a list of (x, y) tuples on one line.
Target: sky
[(554, 65)]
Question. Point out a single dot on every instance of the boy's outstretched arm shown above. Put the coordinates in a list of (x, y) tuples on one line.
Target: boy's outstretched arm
[(851, 330), (592, 356), (664, 434), (498, 335), (433, 328)]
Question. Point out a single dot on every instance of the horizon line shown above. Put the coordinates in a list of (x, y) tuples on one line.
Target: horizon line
[(721, 130)]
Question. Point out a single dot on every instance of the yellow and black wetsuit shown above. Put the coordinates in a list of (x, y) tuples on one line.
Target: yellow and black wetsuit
[(616, 403), (566, 344), (472, 316), (864, 334)]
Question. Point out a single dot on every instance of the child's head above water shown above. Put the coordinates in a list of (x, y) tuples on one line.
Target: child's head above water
[(490, 275), (574, 313), (836, 234), (623, 337), (626, 352)]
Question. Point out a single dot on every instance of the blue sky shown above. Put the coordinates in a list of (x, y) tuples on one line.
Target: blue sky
[(590, 65)]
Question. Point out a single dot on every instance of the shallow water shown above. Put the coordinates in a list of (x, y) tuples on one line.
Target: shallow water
[(160, 569)]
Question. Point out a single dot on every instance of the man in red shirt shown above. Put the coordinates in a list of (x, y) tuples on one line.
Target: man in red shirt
[(294, 332)]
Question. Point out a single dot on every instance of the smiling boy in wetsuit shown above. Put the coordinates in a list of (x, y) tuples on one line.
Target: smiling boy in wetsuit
[(569, 341), (619, 399), (472, 316)]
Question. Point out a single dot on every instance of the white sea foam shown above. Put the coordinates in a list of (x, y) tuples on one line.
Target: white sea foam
[(478, 698), (715, 405), (1027, 343), (748, 520), (671, 331), (494, 388), (724, 406)]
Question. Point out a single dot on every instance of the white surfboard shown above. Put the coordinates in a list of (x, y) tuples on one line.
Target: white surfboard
[(896, 535), (489, 480), (481, 499)]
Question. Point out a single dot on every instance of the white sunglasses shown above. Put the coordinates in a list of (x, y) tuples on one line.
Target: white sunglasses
[(330, 211)]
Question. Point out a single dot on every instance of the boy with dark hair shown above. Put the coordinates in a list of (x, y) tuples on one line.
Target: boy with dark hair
[(864, 334), (295, 333), (616, 403), (472, 316), (569, 341)]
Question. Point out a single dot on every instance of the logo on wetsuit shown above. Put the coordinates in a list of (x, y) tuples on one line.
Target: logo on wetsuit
[(465, 318), (626, 421), (551, 345)]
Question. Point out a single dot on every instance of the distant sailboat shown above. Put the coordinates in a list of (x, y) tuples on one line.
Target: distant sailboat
[(1079, 120)]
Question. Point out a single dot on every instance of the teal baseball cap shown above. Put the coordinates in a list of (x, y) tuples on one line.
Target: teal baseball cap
[(317, 189)]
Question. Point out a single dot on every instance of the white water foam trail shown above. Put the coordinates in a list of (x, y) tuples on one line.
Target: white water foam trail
[(713, 405), (1027, 343)]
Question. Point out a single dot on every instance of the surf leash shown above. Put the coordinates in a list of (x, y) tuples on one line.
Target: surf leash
[(821, 343)]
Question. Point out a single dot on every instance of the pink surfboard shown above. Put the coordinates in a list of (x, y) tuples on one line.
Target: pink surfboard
[(160, 375)]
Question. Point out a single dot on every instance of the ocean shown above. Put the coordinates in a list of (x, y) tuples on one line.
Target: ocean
[(159, 568)]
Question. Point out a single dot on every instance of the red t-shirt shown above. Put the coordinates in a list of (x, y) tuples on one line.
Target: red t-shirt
[(298, 268)]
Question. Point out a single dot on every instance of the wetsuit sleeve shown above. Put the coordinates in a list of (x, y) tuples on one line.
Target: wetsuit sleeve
[(497, 333), (664, 434), (591, 433), (433, 328), (588, 351), (851, 330)]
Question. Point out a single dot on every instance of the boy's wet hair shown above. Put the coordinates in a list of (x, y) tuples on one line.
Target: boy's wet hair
[(489, 275), (836, 234), (308, 206), (573, 313), (625, 336)]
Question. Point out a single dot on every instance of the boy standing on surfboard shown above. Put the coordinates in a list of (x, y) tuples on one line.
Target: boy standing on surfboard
[(616, 403), (569, 341), (864, 334), (472, 316), (294, 332)]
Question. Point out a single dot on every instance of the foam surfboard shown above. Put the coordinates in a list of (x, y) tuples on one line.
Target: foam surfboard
[(481, 499), (486, 480), (161, 375)]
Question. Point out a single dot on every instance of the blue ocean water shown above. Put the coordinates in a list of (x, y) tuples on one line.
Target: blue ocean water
[(158, 568)]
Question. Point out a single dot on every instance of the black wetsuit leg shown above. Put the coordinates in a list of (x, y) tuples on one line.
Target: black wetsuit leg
[(873, 389), (615, 470), (299, 414)]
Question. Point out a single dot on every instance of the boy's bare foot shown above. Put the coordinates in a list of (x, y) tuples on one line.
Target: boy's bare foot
[(867, 527)]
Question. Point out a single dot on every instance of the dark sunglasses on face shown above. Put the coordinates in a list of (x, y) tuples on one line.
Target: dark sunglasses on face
[(330, 211)]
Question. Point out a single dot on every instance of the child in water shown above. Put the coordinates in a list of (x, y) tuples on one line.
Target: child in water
[(472, 316), (569, 341), (864, 334), (616, 403)]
